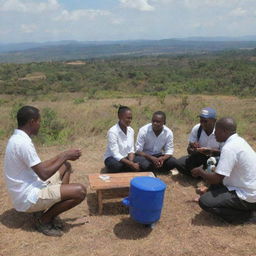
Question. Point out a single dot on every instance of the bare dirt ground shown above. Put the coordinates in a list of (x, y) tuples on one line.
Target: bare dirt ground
[(182, 230)]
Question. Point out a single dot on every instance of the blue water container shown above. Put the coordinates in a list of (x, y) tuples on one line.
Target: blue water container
[(145, 199)]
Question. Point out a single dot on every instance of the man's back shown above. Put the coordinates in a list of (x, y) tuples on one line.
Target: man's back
[(21, 180), (238, 164)]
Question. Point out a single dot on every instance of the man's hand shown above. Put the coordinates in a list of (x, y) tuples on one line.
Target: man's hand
[(210, 178), (195, 145), (192, 147), (197, 172), (155, 161), (204, 150), (161, 161), (135, 167), (72, 154)]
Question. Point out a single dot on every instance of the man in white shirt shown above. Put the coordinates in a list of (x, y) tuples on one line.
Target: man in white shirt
[(119, 155), (154, 146), (202, 143), (232, 195), (35, 186)]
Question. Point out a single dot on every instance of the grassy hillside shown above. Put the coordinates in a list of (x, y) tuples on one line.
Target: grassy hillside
[(223, 73), (64, 121)]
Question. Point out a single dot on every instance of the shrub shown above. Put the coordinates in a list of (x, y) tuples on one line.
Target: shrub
[(79, 100), (53, 130)]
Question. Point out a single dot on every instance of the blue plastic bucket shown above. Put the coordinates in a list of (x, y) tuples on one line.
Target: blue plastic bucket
[(145, 199)]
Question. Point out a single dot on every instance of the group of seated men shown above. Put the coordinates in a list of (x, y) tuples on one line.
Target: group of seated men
[(232, 191), (154, 146), (43, 188)]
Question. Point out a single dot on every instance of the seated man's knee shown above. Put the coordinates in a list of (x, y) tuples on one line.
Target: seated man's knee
[(170, 163), (113, 165), (75, 191), (205, 201), (140, 160), (145, 165), (68, 166), (81, 191), (114, 168)]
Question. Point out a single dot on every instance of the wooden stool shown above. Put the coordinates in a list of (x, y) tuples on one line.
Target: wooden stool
[(101, 182)]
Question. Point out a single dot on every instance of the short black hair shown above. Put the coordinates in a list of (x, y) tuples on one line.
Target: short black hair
[(160, 113), (228, 124), (27, 113), (123, 109)]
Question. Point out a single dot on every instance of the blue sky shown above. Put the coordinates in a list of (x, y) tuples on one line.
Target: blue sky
[(89, 20)]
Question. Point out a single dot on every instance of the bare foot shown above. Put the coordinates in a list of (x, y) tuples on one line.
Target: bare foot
[(196, 199), (174, 172), (201, 190), (81, 220)]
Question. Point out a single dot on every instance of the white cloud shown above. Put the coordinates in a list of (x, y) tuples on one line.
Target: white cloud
[(82, 13), (28, 6), (208, 3), (238, 12), (12, 5), (28, 28), (117, 21), (124, 19), (4, 31), (141, 5), (205, 24)]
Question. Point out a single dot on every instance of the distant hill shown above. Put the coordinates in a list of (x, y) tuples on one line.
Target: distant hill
[(71, 50)]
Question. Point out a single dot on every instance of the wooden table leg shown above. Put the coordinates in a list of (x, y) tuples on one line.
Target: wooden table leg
[(100, 204)]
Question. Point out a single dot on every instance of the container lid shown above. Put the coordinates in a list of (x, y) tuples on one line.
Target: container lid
[(148, 183)]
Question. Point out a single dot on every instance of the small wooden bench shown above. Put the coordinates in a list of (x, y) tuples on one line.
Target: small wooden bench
[(101, 182)]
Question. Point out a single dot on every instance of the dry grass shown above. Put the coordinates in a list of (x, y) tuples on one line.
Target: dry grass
[(34, 76), (183, 229), (75, 63)]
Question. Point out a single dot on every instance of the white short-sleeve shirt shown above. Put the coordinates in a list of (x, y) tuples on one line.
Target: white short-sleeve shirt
[(151, 144), (238, 164), (204, 140), (119, 144), (22, 182)]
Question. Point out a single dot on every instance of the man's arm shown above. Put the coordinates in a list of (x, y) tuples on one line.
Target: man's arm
[(210, 178), (47, 168), (168, 149), (131, 164), (192, 147), (193, 140), (209, 151), (131, 156), (161, 159), (150, 158)]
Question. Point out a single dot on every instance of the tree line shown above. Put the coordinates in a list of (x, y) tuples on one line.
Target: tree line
[(228, 72)]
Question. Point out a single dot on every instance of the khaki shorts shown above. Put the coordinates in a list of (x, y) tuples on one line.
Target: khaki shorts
[(49, 195)]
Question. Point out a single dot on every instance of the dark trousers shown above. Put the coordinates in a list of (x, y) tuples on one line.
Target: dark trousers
[(147, 166), (186, 163), (116, 166), (226, 204)]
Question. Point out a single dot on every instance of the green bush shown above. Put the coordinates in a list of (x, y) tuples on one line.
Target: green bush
[(79, 100), (13, 116), (53, 130), (2, 133)]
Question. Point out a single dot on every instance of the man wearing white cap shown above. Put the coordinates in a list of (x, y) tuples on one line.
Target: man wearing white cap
[(202, 143)]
